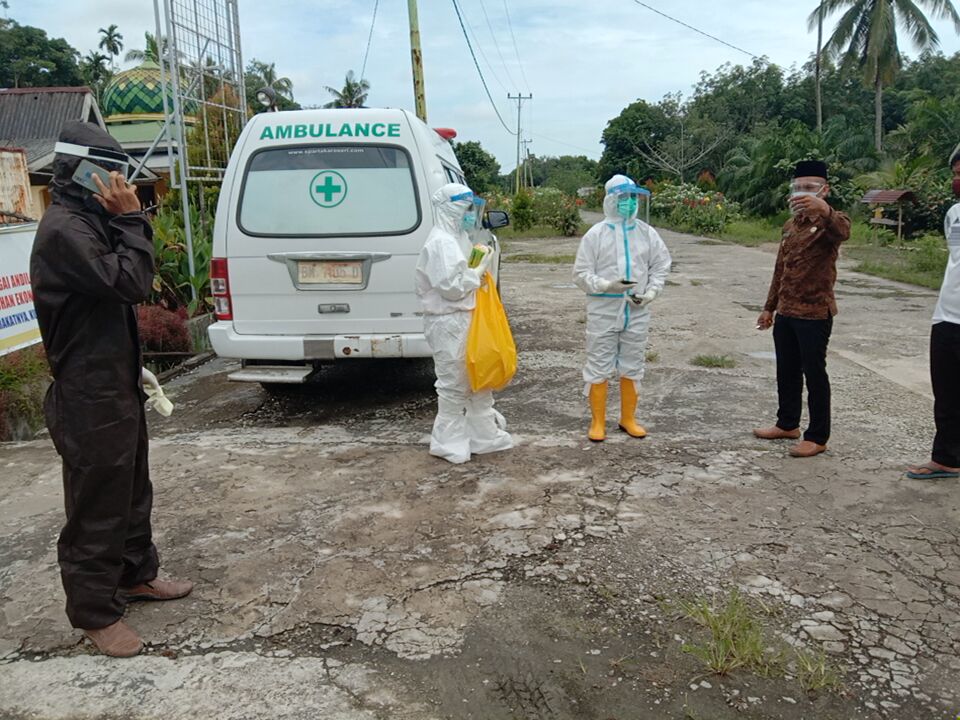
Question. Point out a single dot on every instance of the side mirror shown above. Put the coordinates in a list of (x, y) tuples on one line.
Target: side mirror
[(496, 219)]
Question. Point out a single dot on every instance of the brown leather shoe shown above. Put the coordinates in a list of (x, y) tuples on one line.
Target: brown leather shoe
[(776, 433), (806, 448), (159, 590), (117, 640)]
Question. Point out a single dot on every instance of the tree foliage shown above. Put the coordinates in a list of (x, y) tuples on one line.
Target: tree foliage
[(28, 58), (352, 95), (479, 167)]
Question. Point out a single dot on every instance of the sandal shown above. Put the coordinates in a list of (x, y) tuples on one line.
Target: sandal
[(929, 471)]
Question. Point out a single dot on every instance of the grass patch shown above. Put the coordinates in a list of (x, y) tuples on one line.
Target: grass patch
[(918, 262), (814, 671), (540, 259), (735, 637), (696, 283), (537, 231), (652, 356), (714, 361)]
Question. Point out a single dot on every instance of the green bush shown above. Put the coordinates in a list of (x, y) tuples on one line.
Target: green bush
[(554, 209), (24, 375), (523, 217), (689, 208)]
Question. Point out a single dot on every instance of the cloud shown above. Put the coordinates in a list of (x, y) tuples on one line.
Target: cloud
[(584, 62)]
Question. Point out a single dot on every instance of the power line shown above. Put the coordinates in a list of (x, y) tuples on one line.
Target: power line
[(495, 43), (373, 22), (483, 55), (566, 144), (516, 50), (697, 30), (479, 71)]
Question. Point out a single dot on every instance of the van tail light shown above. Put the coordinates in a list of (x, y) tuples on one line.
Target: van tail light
[(220, 289)]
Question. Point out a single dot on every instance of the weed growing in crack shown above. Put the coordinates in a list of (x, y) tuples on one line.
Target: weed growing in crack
[(714, 361), (814, 671), (736, 638), (652, 356)]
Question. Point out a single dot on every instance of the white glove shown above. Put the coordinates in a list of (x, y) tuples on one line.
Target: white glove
[(484, 264), (618, 286), (155, 397), (648, 297)]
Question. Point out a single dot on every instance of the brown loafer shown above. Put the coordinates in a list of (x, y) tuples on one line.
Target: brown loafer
[(776, 433), (117, 640), (806, 448), (159, 590)]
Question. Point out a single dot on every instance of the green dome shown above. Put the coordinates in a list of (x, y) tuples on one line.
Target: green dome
[(135, 92)]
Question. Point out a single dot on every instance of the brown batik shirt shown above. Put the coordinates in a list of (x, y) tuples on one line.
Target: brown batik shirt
[(806, 270)]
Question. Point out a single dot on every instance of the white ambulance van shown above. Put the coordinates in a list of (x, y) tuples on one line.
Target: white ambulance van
[(319, 226)]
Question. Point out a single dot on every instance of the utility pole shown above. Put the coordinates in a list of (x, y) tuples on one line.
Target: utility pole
[(527, 165), (519, 98), (818, 67), (416, 57)]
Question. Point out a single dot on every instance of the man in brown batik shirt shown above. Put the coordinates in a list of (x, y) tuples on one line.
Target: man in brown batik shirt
[(802, 301)]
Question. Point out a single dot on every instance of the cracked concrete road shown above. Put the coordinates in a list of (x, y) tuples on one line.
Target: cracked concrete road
[(344, 573)]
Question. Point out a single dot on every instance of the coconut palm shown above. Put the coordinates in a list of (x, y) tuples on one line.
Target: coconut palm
[(95, 71), (353, 94), (111, 41), (866, 35), (266, 74), (150, 52)]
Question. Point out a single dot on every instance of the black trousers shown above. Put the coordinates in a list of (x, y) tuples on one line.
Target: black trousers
[(107, 541), (801, 347), (945, 374)]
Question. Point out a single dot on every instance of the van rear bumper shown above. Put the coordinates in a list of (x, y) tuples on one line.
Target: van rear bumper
[(227, 343)]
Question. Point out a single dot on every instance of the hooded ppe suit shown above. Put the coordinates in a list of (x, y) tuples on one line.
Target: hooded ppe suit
[(621, 248), (466, 421), (88, 270)]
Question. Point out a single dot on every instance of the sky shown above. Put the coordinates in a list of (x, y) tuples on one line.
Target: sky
[(582, 61)]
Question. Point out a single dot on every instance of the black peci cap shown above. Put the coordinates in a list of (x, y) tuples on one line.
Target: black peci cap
[(955, 156), (810, 168)]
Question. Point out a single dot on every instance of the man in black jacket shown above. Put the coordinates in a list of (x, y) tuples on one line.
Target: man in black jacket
[(92, 262)]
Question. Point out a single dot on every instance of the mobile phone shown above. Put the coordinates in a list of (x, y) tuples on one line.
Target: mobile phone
[(629, 282), (84, 176)]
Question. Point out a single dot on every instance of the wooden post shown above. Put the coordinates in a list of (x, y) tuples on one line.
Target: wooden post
[(900, 223)]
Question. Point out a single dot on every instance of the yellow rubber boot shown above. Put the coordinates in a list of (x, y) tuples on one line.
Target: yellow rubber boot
[(628, 409), (598, 412)]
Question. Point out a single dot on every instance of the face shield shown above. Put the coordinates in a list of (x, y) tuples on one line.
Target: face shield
[(109, 160), (473, 216), (632, 201)]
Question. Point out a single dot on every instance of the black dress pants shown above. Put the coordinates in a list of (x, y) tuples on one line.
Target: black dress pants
[(801, 347), (945, 374)]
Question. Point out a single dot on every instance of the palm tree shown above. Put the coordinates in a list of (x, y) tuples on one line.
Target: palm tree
[(112, 41), (150, 50), (866, 35), (266, 74), (353, 94), (95, 72)]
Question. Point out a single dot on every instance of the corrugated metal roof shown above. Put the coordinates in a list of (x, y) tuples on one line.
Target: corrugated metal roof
[(31, 118), (886, 197)]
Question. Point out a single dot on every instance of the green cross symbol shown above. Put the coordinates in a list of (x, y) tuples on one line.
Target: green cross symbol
[(328, 189)]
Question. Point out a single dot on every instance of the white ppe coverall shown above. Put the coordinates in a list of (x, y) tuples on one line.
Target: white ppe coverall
[(618, 248), (466, 421)]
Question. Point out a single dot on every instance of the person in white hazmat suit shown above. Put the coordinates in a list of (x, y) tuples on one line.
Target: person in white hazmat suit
[(622, 265), (466, 421)]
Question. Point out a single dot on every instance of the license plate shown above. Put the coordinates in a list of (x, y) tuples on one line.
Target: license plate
[(327, 272)]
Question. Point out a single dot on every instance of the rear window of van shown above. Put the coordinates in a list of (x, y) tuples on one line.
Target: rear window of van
[(330, 190)]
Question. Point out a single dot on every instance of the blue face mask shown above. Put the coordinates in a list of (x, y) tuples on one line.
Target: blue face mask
[(469, 221), (627, 207)]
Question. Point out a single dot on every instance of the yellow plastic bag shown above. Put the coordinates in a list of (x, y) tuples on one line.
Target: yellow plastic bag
[(491, 353)]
